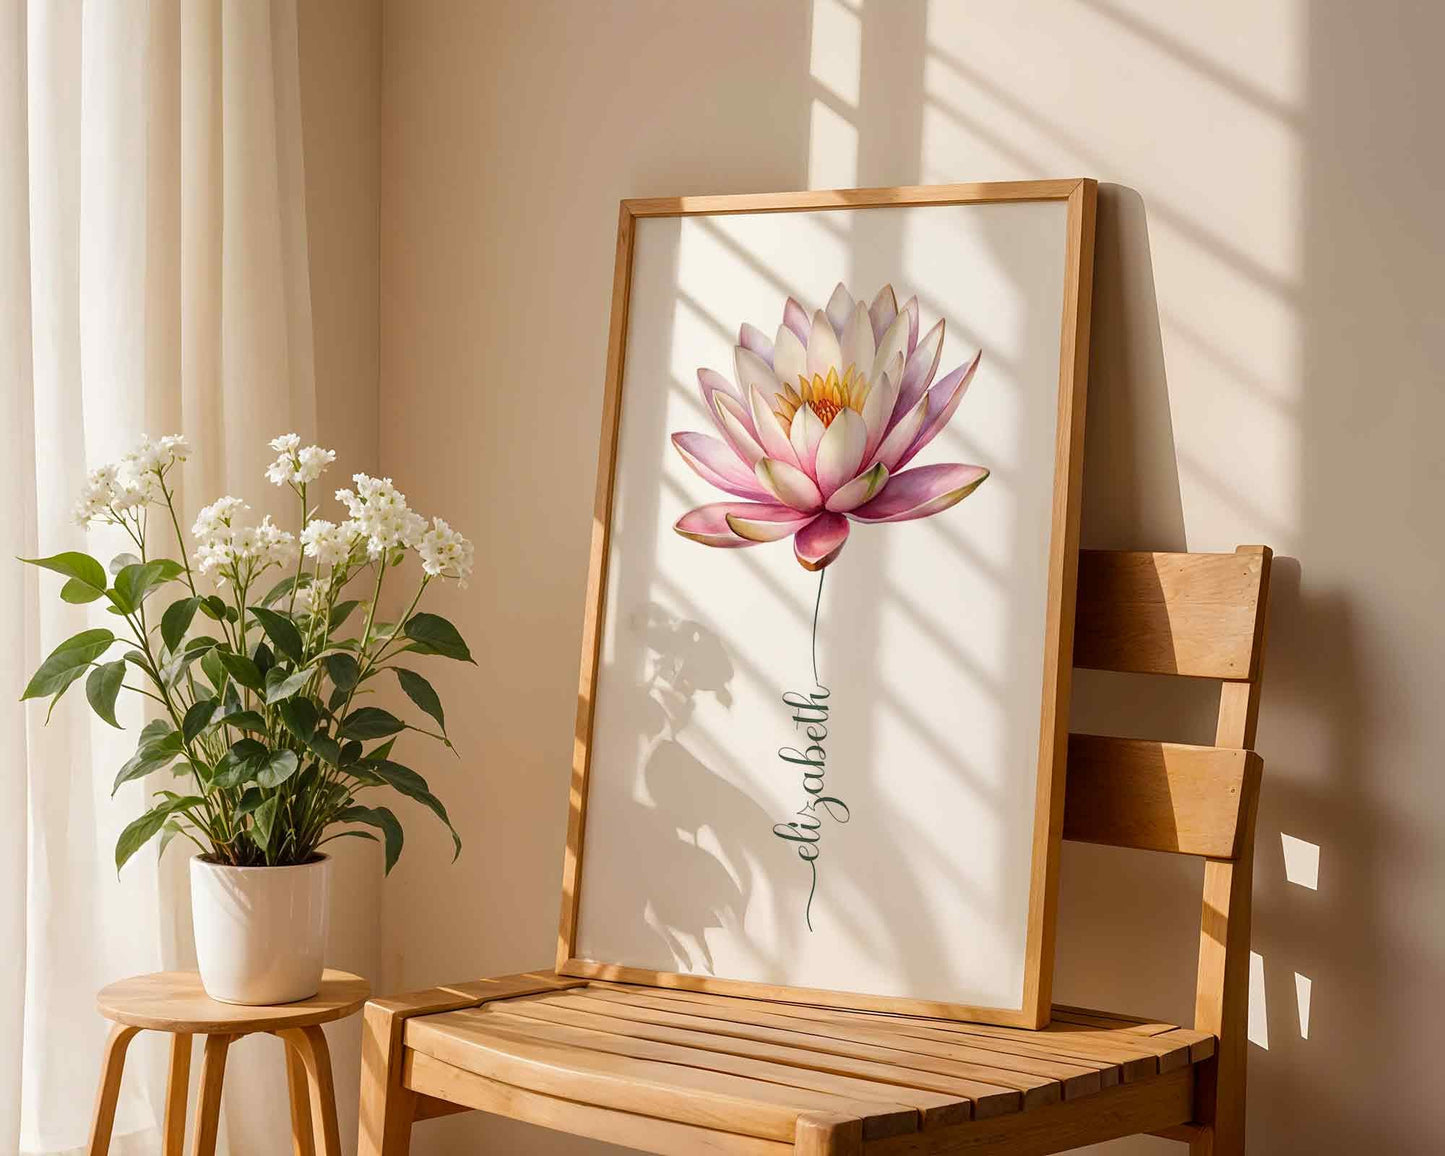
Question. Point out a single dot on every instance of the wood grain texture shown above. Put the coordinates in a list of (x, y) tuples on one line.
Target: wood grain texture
[(112, 1065), (440, 1080), (208, 1097), (1080, 198), (175, 1001), (310, 1045), (1156, 796), (1189, 614), (299, 1095), (178, 1076)]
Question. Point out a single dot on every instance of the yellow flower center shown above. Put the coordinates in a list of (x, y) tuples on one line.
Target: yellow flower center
[(827, 396)]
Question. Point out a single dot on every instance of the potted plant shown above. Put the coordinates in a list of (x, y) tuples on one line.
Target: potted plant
[(256, 675)]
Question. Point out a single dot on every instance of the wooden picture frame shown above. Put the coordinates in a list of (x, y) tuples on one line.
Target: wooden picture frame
[(1078, 197)]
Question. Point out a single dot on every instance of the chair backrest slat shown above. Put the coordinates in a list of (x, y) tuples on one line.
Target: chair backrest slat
[(1189, 614), (1156, 796)]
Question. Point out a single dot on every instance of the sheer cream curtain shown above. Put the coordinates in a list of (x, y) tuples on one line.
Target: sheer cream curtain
[(153, 279)]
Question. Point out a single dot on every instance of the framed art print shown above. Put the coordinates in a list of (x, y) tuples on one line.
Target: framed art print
[(823, 707)]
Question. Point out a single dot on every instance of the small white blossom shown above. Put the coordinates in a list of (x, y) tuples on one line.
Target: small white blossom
[(328, 543), (123, 487), (221, 544), (307, 599), (379, 510), (445, 553), (297, 466)]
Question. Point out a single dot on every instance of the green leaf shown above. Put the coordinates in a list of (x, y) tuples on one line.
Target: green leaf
[(136, 582), (281, 630), (370, 722), (299, 715), (138, 832), (240, 764), (383, 751), (263, 819), (327, 747), (198, 717), (177, 620), (281, 588), (411, 784), (102, 687), (277, 768), (154, 731), (262, 656), (244, 720), (251, 798), (151, 756), (76, 566), (420, 692), (382, 819), (168, 832), (213, 669), (75, 591), (435, 635), (239, 667), (343, 670), (213, 606), (282, 684), (341, 612), (121, 561), (67, 662)]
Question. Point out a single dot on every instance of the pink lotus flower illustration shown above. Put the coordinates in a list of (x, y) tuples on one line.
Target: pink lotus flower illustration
[(819, 425)]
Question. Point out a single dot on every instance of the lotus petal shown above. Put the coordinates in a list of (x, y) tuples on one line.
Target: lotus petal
[(943, 401), (795, 317), (716, 463), (882, 312), (921, 491), (752, 338), (894, 343), (790, 356), (771, 435), (708, 524), (767, 523), (901, 436), (753, 373), (859, 490), (839, 309), (788, 484), (824, 353), (710, 380), (879, 405), (922, 365), (821, 540), (840, 453), (910, 307), (857, 342), (737, 428), (807, 431)]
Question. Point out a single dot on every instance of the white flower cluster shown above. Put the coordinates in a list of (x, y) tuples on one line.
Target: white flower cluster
[(297, 465), (445, 553), (221, 544), (379, 512), (121, 488), (328, 543)]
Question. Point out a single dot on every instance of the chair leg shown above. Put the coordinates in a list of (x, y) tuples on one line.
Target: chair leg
[(178, 1080), (208, 1109), (105, 1097), (302, 1138), (388, 1106), (310, 1043)]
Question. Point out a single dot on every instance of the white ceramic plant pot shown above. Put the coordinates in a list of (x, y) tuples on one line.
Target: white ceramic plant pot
[(260, 931)]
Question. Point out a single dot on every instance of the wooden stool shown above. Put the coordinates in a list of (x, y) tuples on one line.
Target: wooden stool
[(175, 1002)]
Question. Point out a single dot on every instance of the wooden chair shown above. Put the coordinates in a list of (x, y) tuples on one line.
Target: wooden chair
[(671, 1071)]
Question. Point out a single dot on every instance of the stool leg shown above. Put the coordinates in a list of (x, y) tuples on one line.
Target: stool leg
[(208, 1110), (177, 1089), (105, 1096), (301, 1134), (316, 1056)]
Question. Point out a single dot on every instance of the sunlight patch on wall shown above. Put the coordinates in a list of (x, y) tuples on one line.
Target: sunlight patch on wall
[(1302, 987), (1301, 861), (835, 57), (1258, 1017)]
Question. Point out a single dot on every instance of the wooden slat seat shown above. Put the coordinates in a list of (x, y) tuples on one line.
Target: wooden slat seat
[(671, 1070), (663, 1063)]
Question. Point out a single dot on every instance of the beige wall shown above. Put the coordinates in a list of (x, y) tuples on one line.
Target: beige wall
[(1265, 370)]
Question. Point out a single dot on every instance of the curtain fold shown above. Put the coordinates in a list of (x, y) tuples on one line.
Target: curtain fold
[(153, 279)]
